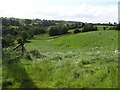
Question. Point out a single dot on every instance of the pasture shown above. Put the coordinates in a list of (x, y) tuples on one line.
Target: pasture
[(84, 60)]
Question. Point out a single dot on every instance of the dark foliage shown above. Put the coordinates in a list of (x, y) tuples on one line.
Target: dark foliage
[(9, 30), (24, 35), (38, 30), (76, 31), (89, 27), (104, 28), (7, 40), (117, 27), (57, 30)]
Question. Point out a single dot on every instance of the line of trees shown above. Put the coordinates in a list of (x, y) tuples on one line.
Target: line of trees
[(15, 29), (117, 27), (20, 30)]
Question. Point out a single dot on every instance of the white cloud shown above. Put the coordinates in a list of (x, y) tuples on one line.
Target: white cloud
[(51, 9)]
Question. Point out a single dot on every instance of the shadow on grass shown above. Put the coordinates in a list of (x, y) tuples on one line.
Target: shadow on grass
[(47, 37), (27, 41), (17, 72)]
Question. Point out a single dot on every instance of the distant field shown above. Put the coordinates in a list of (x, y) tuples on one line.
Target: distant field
[(84, 60), (83, 41)]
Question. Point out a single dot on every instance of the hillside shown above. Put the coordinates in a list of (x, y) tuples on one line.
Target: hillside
[(84, 60)]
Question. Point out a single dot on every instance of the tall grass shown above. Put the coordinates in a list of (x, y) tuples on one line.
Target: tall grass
[(85, 60)]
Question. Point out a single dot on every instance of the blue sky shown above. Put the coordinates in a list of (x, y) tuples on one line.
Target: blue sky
[(102, 11)]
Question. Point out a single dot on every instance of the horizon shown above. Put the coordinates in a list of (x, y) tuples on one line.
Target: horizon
[(61, 20), (91, 11)]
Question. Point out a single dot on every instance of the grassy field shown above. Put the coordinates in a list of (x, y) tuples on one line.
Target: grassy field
[(84, 60)]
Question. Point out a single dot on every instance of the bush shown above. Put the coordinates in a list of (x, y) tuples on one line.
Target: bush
[(117, 27), (57, 30), (104, 28), (4, 43), (37, 54), (85, 62), (24, 35), (64, 30), (31, 34), (95, 29), (89, 27), (8, 40), (53, 30), (38, 30), (9, 30), (27, 56), (19, 40), (76, 31)]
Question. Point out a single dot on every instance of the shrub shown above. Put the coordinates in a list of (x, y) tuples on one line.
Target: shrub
[(64, 30), (85, 62), (76, 31), (117, 27), (9, 30), (19, 40), (95, 29), (54, 30), (7, 83), (24, 35), (31, 34), (89, 27), (27, 56), (104, 28), (110, 28), (57, 30), (8, 40), (76, 75), (37, 54), (38, 30)]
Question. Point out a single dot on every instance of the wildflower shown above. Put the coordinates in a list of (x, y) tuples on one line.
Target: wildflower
[(98, 51), (117, 52)]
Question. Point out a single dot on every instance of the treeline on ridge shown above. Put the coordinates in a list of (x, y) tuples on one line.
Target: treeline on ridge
[(15, 30)]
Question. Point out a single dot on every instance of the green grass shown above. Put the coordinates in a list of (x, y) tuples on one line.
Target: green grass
[(84, 60), (100, 27), (82, 41)]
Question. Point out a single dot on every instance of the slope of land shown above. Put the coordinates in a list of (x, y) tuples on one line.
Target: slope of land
[(84, 60)]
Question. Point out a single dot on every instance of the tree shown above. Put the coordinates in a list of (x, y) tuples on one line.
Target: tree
[(57, 30), (9, 30), (76, 31), (104, 28), (28, 21), (7, 40), (38, 30), (115, 23), (117, 27), (19, 40), (24, 36), (89, 27), (83, 24), (31, 34), (110, 24), (54, 30)]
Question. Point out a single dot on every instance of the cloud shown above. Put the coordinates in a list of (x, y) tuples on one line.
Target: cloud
[(78, 10)]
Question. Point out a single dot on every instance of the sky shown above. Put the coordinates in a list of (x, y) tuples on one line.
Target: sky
[(93, 11)]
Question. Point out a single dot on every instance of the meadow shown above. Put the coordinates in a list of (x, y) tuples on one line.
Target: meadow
[(83, 60)]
